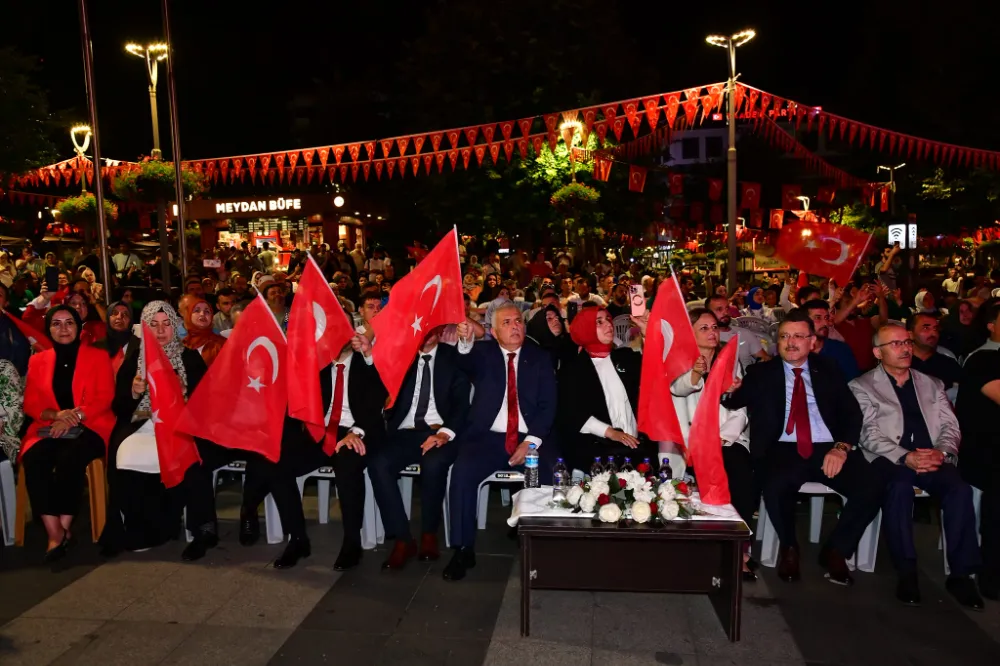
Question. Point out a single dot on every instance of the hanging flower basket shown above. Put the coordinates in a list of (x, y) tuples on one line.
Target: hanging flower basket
[(82, 209), (574, 197), (153, 180)]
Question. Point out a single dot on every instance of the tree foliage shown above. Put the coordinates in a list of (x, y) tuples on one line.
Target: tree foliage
[(950, 201), (25, 121)]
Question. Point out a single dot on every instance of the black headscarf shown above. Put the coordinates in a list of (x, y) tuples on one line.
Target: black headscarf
[(118, 339), (62, 376), (538, 328)]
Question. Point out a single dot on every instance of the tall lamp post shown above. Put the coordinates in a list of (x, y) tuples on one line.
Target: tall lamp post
[(909, 256), (731, 43), (80, 146), (152, 54), (892, 185)]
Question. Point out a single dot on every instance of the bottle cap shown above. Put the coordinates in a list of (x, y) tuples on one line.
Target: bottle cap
[(559, 459)]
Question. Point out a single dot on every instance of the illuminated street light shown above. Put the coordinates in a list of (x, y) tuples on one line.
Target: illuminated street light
[(569, 130), (80, 146), (892, 184), (805, 203), (338, 201), (152, 54)]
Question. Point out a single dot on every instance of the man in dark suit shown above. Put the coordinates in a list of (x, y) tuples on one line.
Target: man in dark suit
[(353, 397), (430, 410), (809, 435), (514, 406)]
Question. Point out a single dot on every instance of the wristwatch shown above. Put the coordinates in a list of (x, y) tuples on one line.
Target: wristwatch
[(841, 446)]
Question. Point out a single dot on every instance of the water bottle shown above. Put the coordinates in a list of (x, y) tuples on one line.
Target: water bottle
[(531, 467), (649, 466), (597, 467), (611, 466), (560, 480), (665, 473), (627, 465)]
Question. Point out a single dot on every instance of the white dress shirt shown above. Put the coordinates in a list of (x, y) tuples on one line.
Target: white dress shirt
[(616, 398), (346, 417), (500, 422), (433, 417), (820, 433)]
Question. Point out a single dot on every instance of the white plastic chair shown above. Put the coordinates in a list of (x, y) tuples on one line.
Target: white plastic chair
[(977, 500), (623, 324), (270, 510), (406, 491), (502, 476), (8, 500)]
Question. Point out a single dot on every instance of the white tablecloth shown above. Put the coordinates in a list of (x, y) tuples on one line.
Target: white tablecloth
[(535, 502)]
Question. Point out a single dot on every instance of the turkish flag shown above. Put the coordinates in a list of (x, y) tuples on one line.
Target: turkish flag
[(249, 375), (714, 189), (826, 193), (175, 450), (757, 219), (883, 199), (318, 329), (819, 248), (37, 341), (676, 184), (704, 440), (636, 178), (670, 350), (427, 297), (777, 218), (750, 197), (602, 168), (790, 197)]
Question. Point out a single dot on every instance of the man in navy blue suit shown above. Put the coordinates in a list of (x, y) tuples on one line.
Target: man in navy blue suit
[(514, 406)]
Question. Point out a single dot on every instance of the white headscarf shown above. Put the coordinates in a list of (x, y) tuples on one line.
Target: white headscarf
[(173, 349)]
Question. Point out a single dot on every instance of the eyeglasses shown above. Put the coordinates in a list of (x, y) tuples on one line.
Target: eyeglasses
[(897, 344), (797, 337)]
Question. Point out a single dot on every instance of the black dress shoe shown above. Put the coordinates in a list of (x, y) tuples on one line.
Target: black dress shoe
[(964, 590), (907, 590), (249, 527), (463, 560), (788, 564), (836, 567), (57, 553), (197, 548), (749, 577), (349, 557), (294, 551), (752, 565)]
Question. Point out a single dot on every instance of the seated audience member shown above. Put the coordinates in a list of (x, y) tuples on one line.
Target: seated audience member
[(988, 318), (429, 413), (548, 330), (370, 305), (959, 332), (223, 319), (824, 345), (750, 350), (274, 293), (618, 300), (200, 336), (925, 330), (586, 285), (68, 397), (11, 411), (120, 339), (14, 347), (809, 435), (143, 513), (514, 405), (755, 305), (925, 303), (911, 436)]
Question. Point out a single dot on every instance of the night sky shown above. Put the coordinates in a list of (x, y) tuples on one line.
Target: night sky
[(242, 72)]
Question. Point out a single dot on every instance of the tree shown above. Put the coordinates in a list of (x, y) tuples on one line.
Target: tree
[(25, 121), (967, 199)]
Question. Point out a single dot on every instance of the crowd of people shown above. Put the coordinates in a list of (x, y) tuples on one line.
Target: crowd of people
[(855, 390)]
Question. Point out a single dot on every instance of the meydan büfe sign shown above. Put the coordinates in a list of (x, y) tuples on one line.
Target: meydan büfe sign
[(279, 204)]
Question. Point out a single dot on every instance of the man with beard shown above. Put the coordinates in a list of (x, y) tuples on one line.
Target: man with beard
[(819, 313), (925, 330), (911, 436), (618, 303), (750, 350)]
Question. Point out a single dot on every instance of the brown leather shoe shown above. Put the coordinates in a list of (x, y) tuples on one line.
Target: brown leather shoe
[(428, 548), (401, 552), (788, 564), (836, 567)]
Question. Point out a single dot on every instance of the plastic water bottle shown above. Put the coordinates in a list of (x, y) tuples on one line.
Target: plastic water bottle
[(560, 480), (665, 473), (611, 466), (531, 467), (649, 466), (627, 465), (597, 467)]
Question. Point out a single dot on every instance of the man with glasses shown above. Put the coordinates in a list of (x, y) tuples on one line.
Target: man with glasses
[(804, 426), (911, 436), (824, 345)]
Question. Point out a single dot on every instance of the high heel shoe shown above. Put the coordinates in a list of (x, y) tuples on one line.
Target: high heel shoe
[(59, 552)]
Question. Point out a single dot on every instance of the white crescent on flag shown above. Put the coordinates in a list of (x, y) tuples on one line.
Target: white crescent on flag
[(844, 250), (272, 351), (667, 331), (320, 316), (434, 282)]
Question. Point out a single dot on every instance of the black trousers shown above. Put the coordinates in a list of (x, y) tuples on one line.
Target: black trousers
[(983, 472), (197, 488), (580, 451), (784, 471), (402, 449), (55, 472), (743, 490)]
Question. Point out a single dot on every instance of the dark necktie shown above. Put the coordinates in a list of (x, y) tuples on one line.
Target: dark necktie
[(510, 442), (424, 398), (798, 417), (330, 444)]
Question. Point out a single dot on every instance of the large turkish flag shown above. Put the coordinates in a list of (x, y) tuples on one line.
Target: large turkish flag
[(669, 351), (819, 248), (241, 402), (318, 328), (704, 440), (37, 340), (429, 296)]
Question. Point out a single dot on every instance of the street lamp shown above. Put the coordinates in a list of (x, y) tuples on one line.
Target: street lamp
[(569, 130), (731, 43), (80, 146), (152, 54), (892, 184)]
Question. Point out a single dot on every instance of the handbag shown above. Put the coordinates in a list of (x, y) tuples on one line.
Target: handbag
[(72, 433)]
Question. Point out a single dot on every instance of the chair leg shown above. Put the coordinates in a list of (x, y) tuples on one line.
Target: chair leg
[(768, 538), (406, 491), (484, 497), (447, 511), (97, 489), (864, 558), (272, 521), (323, 493), (977, 501), (20, 508), (369, 531), (505, 496), (8, 502), (943, 545), (815, 518)]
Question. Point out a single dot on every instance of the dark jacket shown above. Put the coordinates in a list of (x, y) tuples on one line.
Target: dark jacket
[(451, 391), (581, 395), (365, 393)]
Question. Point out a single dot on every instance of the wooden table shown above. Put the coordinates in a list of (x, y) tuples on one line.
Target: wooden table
[(701, 557)]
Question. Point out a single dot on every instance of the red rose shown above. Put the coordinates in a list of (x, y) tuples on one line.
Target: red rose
[(642, 468), (682, 488), (653, 507), (603, 499), (622, 483)]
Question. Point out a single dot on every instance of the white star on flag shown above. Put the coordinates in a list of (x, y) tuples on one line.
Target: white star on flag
[(416, 324), (255, 384), (812, 245), (155, 417)]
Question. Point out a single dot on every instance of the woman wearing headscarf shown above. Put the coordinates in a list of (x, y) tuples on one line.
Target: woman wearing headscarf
[(120, 340), (599, 396), (548, 329), (755, 305), (200, 336), (11, 410), (68, 396), (926, 303), (961, 331), (142, 512)]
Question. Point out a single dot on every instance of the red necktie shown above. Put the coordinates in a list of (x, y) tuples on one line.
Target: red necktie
[(798, 417), (513, 421), (330, 443)]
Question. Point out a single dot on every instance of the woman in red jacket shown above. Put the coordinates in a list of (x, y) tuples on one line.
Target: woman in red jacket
[(68, 396)]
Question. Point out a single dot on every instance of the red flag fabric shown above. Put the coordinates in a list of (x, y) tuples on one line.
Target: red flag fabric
[(704, 441), (427, 297), (38, 341), (249, 374), (602, 168), (676, 184), (750, 195), (883, 199), (714, 189), (757, 219), (777, 217), (819, 248), (826, 193), (670, 350), (790, 197), (636, 178), (318, 328), (175, 450)]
